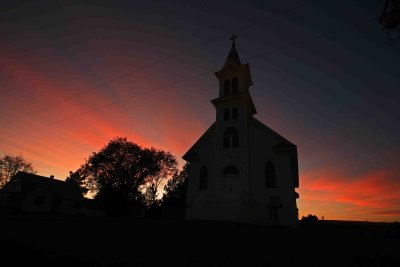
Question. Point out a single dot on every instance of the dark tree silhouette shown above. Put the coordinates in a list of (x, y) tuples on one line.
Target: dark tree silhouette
[(166, 167), (309, 219), (175, 189), (116, 174), (10, 165), (75, 177)]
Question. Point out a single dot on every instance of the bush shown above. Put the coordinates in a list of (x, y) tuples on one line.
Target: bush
[(309, 219)]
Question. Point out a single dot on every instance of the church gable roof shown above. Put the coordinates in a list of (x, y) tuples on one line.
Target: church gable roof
[(284, 141), (191, 154)]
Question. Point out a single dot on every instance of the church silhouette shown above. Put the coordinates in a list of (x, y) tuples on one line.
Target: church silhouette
[(241, 170)]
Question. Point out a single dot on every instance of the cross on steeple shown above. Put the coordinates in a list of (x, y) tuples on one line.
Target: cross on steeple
[(233, 38)]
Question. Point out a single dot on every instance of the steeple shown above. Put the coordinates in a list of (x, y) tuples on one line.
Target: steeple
[(234, 82), (233, 56)]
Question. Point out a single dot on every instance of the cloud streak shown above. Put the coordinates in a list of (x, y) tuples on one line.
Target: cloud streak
[(374, 195)]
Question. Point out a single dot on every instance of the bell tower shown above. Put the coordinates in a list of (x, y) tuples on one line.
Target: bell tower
[(234, 81), (234, 108)]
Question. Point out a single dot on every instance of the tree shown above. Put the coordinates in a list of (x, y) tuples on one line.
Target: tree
[(116, 174), (309, 219), (75, 177), (10, 165), (167, 167), (175, 189)]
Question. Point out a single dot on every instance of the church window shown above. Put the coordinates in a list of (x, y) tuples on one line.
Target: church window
[(230, 170), (235, 113), (226, 114), (203, 178), (270, 177), (234, 86), (227, 87), (231, 138)]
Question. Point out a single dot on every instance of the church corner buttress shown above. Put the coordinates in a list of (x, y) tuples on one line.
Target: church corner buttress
[(240, 169)]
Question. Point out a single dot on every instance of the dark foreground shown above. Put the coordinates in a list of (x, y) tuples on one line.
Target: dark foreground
[(62, 241)]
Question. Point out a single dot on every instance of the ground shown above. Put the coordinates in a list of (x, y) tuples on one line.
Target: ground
[(80, 241)]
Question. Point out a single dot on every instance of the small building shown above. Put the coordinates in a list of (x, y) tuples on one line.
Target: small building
[(31, 193)]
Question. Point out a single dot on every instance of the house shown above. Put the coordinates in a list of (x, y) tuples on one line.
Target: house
[(31, 193), (241, 170)]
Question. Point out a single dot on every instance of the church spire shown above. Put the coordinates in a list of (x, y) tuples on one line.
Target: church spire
[(234, 82), (233, 56)]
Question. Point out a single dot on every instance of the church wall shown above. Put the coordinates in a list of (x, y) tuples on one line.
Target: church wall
[(232, 187), (222, 199), (262, 144), (196, 198), (217, 203)]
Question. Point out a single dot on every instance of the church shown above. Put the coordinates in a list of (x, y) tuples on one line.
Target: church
[(240, 169)]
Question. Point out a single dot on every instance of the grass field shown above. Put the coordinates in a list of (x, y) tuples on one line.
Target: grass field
[(80, 241)]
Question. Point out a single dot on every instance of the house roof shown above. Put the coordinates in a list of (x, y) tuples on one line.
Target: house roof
[(60, 189)]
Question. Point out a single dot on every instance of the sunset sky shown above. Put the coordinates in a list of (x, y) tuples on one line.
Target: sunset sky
[(74, 74)]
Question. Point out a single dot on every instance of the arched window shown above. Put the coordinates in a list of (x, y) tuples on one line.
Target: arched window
[(227, 87), (235, 86), (203, 178), (235, 113), (270, 177), (231, 138), (230, 170), (226, 114)]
